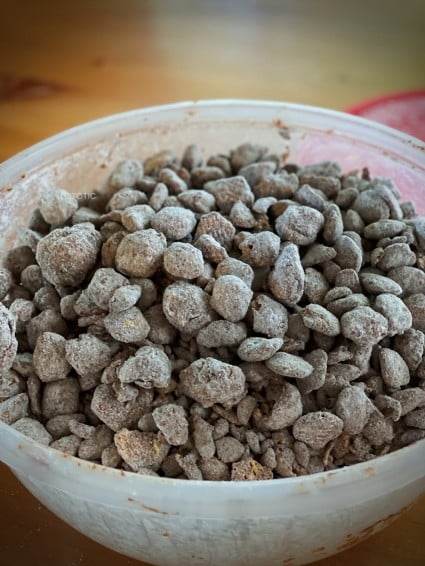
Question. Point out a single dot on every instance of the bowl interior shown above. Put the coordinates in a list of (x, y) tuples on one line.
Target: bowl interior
[(81, 159)]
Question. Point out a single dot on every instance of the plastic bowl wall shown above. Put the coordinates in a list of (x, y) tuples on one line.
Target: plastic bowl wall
[(176, 522)]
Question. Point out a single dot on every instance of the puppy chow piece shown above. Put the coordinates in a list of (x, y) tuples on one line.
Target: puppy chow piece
[(66, 255), (189, 466), (33, 429), (222, 333), (172, 422), (318, 359), (354, 408), (316, 286), (214, 470), (364, 325), (286, 410), (255, 172), (57, 206), (141, 449), (241, 216), (410, 346), (268, 316), (199, 176), (18, 259), (378, 430), (396, 312), (232, 266), (260, 250), (209, 381), (175, 223), (126, 198), (161, 331), (317, 429), (203, 437), (348, 254), (108, 251), (60, 397), (6, 281), (321, 320), (49, 357), (229, 449), (117, 415), (376, 284), (231, 297), (187, 307), (158, 197), (286, 280), (245, 154), (92, 447), (318, 253), (87, 354), (8, 341), (124, 298), (150, 367), (210, 249), (250, 470), (67, 444), (110, 456), (411, 279), (103, 284), (14, 408), (216, 226), (394, 369), (197, 201), (127, 326), (289, 365), (299, 224), (183, 261), (149, 292), (333, 224), (171, 179), (256, 349), (10, 384), (280, 185), (127, 173), (140, 254), (416, 305), (229, 191)]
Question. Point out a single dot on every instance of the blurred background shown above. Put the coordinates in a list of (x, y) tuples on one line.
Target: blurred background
[(63, 63)]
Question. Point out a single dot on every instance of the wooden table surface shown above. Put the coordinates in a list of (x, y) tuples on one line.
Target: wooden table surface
[(65, 63)]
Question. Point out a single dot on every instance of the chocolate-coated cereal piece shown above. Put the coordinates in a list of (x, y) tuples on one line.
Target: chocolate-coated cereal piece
[(66, 255), (172, 422), (57, 206), (150, 367), (231, 297), (141, 449), (87, 354), (49, 359), (174, 222), (140, 254), (60, 397), (318, 428), (183, 260), (211, 381)]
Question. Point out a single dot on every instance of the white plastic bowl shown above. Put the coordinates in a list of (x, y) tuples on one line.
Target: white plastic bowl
[(176, 522)]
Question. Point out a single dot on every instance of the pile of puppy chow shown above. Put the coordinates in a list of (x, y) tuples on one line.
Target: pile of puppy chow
[(240, 318)]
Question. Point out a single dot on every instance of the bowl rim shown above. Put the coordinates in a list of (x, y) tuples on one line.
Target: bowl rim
[(43, 455), (30, 154)]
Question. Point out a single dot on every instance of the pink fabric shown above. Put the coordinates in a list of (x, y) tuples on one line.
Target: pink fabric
[(404, 111)]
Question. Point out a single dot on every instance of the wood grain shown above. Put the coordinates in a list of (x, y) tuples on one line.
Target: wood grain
[(65, 63)]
